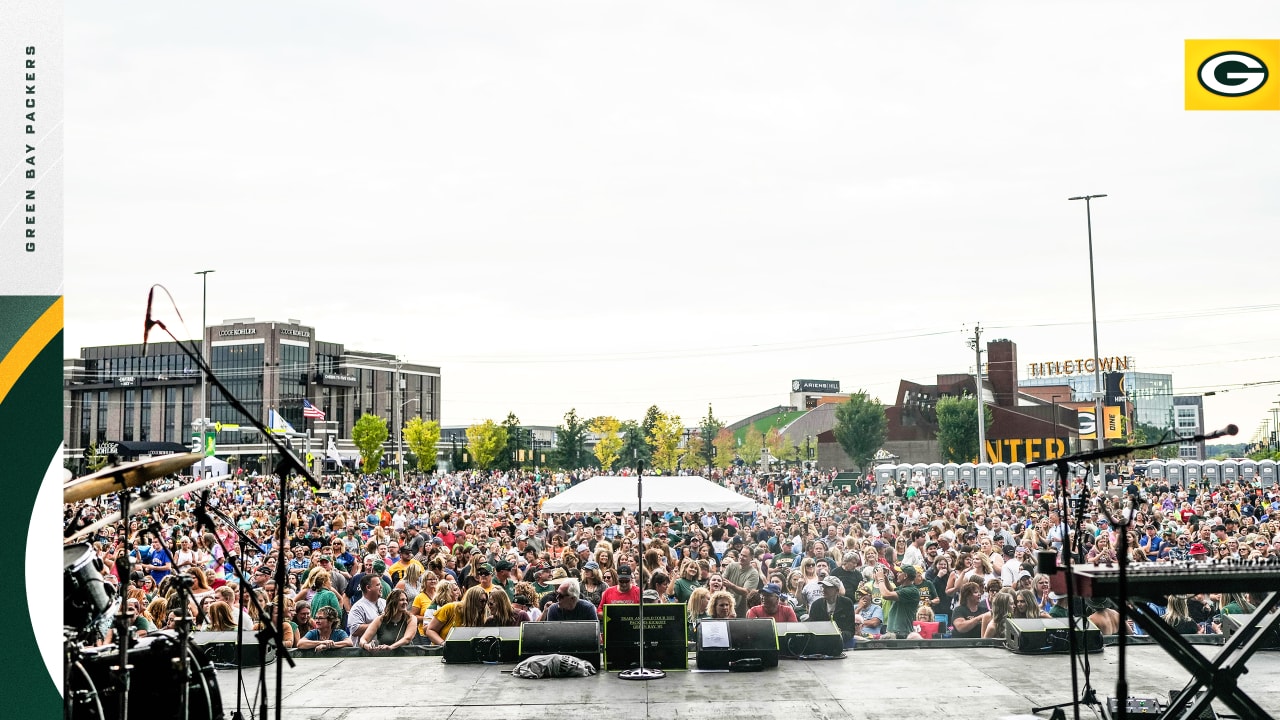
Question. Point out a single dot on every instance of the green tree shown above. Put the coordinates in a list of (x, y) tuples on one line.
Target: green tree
[(571, 441), (651, 417), (752, 444), (1143, 434), (860, 427), (787, 449), (93, 460), (422, 437), (635, 445), (709, 428), (665, 440), (509, 457), (369, 433), (726, 448), (609, 446), (486, 441), (958, 428), (694, 452)]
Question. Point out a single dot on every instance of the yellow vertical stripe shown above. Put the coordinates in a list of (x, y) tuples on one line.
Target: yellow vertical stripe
[(32, 342)]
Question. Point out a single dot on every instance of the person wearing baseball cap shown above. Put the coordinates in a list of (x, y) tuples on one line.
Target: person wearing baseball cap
[(624, 592), (503, 578), (771, 606), (834, 606)]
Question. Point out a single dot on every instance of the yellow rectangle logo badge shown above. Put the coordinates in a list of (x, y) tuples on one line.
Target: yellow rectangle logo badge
[(1232, 74)]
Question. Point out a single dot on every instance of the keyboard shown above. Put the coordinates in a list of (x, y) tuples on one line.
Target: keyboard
[(1151, 579)]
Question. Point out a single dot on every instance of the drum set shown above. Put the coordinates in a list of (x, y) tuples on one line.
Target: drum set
[(160, 675)]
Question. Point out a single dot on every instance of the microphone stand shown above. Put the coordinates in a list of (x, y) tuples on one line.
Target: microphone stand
[(183, 583), (641, 672), (1117, 451), (289, 461), (124, 567), (268, 634)]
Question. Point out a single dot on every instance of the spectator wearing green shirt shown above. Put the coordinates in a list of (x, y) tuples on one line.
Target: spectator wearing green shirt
[(906, 599)]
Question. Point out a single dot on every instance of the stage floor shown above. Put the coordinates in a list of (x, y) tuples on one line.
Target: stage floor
[(892, 684)]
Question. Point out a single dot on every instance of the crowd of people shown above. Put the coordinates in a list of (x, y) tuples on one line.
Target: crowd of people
[(376, 564)]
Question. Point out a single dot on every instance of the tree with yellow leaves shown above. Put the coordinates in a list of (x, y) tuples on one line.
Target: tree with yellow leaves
[(609, 446), (486, 442), (664, 438)]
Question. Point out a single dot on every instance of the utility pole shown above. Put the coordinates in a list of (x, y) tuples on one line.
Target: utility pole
[(976, 344), (1098, 393), (204, 356)]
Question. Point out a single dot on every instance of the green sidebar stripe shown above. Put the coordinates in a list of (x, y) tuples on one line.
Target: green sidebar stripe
[(30, 432)]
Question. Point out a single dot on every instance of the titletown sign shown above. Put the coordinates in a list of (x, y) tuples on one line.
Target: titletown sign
[(1080, 366)]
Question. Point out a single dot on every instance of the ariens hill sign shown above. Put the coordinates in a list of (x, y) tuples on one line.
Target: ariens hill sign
[(1080, 366)]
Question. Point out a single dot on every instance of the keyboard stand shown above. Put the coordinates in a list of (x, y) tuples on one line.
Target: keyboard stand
[(1217, 676)]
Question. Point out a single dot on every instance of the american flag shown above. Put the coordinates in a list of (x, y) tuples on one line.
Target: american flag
[(311, 411)]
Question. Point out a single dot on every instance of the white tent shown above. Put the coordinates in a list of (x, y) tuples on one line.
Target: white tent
[(661, 493), (212, 466)]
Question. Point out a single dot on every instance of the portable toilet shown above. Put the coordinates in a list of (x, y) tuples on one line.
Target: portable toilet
[(967, 475), (950, 475), (1230, 471), (1193, 471), (1267, 473), (982, 472), (1156, 470), (1173, 471), (1213, 472), (1018, 475), (1000, 474), (1248, 470)]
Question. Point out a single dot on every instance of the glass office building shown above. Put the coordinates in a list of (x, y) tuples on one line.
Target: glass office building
[(1151, 394)]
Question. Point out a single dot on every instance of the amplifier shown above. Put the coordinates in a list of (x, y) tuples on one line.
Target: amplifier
[(1207, 713), (1050, 635), (737, 644), (482, 645), (1231, 624), (579, 638), (809, 639), (1135, 707), (220, 648), (666, 636)]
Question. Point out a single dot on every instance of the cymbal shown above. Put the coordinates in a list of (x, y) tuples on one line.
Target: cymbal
[(148, 503), (126, 475)]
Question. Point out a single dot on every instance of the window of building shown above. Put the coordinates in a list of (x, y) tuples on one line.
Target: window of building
[(292, 383), (86, 420), (240, 368), (144, 422), (130, 400), (170, 420), (103, 404)]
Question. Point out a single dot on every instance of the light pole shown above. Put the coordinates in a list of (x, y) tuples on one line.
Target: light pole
[(204, 356), (1054, 400), (1099, 432)]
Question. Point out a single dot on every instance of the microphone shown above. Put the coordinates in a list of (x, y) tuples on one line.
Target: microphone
[(1228, 430), (202, 515), (148, 323)]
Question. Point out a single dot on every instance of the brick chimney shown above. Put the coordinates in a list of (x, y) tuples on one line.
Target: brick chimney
[(1002, 371)]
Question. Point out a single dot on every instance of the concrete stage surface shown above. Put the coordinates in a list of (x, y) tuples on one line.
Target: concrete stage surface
[(893, 684)]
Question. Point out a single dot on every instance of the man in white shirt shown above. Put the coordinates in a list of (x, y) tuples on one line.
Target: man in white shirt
[(368, 607), (914, 554)]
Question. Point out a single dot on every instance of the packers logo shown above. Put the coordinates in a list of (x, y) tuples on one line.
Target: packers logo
[(1231, 75)]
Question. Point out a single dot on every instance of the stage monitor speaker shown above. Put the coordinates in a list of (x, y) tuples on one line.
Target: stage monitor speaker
[(1206, 713), (737, 644), (809, 639), (220, 648), (1232, 623), (482, 645), (1049, 635), (579, 638), (666, 636)]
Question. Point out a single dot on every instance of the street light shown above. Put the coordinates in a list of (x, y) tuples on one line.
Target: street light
[(400, 439), (1099, 432), (1054, 400), (204, 357)]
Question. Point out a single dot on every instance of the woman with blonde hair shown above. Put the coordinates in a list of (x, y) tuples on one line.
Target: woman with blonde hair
[(722, 605), (393, 629), (220, 618), (1025, 605), (604, 557), (158, 611), (467, 612), (411, 583), (1001, 611), (699, 603), (501, 614)]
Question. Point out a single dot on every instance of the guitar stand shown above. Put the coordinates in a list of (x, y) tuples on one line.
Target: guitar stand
[(1217, 676), (1090, 699)]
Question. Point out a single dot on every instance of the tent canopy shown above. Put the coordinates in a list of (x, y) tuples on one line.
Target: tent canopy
[(661, 493)]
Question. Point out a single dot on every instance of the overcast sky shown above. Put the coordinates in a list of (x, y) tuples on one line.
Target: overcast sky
[(612, 205)]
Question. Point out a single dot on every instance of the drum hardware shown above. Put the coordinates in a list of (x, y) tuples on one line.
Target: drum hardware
[(149, 502), (116, 478), (91, 691)]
